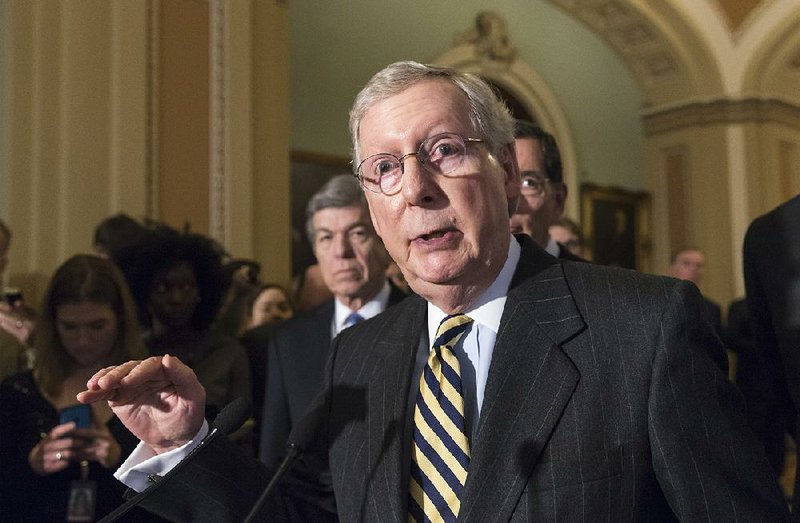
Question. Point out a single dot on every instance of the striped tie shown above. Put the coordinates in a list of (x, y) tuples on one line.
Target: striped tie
[(440, 455)]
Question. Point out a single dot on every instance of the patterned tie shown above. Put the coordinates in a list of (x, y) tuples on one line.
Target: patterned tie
[(440, 454)]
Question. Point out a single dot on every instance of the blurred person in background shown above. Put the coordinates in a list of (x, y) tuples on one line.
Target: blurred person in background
[(568, 234), (543, 192), (688, 263), (16, 319), (241, 281), (87, 322), (114, 236), (267, 304), (352, 261), (178, 282)]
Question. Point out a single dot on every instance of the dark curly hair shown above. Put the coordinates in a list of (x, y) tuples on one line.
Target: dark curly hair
[(162, 248)]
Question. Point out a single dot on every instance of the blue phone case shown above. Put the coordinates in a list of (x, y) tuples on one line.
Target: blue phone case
[(81, 414)]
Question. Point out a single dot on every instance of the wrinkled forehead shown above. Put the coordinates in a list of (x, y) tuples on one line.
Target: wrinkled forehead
[(417, 112)]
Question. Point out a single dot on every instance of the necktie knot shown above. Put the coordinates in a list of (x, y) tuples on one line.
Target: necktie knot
[(451, 329), (352, 319)]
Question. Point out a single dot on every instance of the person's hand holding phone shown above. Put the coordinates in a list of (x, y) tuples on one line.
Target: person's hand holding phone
[(74, 440), (57, 449)]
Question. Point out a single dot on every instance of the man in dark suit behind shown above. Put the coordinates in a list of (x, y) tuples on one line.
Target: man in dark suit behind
[(353, 264), (543, 191), (772, 285), (688, 263), (574, 392)]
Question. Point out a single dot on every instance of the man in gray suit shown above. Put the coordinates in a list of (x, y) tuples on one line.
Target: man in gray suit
[(569, 392), (353, 264)]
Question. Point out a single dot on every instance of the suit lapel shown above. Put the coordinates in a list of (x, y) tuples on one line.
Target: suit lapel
[(388, 400), (529, 385)]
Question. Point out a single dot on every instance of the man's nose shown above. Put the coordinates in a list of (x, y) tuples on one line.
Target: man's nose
[(342, 247), (418, 183)]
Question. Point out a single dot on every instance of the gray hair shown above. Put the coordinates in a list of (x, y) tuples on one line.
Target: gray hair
[(488, 114), (340, 191)]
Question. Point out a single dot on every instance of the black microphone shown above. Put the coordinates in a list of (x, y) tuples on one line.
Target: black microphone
[(300, 440), (229, 419), (232, 416)]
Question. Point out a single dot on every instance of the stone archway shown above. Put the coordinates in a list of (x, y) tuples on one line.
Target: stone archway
[(504, 68)]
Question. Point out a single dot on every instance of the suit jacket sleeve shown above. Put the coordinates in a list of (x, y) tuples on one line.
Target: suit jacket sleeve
[(219, 483), (707, 462)]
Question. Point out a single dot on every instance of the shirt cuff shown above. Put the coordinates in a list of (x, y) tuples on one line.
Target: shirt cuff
[(143, 464)]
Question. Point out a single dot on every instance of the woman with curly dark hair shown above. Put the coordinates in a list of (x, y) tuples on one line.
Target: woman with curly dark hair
[(178, 282)]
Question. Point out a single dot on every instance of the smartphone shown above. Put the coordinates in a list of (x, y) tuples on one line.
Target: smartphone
[(81, 414)]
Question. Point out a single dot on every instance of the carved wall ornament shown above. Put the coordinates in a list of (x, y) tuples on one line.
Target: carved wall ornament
[(490, 38)]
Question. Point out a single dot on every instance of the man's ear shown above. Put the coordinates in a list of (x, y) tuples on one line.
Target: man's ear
[(561, 198), (508, 160)]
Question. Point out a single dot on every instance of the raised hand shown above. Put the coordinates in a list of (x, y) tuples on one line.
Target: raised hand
[(158, 399)]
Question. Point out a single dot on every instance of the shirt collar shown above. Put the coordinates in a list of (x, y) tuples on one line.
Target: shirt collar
[(552, 247), (488, 308), (372, 308)]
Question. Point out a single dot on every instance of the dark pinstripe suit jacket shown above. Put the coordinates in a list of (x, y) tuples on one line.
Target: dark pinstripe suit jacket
[(601, 405), (295, 373)]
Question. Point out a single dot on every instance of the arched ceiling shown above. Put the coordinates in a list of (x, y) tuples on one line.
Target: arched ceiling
[(684, 50), (669, 59), (737, 11)]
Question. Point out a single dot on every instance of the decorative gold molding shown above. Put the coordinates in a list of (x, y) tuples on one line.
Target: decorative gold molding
[(218, 186), (721, 111), (151, 147)]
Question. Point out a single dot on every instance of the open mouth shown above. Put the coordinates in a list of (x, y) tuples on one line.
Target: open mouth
[(433, 235)]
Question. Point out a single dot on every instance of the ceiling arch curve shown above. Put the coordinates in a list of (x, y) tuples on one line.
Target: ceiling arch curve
[(669, 59), (774, 68)]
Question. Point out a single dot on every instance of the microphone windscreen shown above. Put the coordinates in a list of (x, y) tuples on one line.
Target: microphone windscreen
[(305, 431), (232, 416)]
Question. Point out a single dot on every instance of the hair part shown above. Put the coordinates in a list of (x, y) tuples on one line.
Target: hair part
[(489, 116)]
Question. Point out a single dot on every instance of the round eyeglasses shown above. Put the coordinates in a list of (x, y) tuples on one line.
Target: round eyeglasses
[(532, 183), (439, 154)]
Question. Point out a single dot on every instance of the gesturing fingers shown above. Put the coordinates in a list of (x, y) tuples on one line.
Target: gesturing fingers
[(106, 382)]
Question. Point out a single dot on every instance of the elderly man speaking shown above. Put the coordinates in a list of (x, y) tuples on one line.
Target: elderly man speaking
[(511, 388)]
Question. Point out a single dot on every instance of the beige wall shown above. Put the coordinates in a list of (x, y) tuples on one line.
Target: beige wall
[(713, 168), (76, 127), (179, 110), (170, 109)]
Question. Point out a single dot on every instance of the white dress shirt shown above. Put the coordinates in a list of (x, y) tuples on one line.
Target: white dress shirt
[(370, 309)]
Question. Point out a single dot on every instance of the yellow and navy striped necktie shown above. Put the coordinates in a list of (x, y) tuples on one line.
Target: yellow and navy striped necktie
[(440, 454)]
